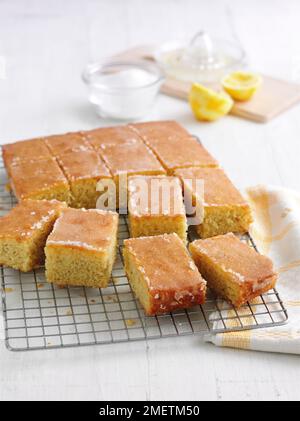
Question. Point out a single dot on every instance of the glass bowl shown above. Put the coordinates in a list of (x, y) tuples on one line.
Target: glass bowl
[(123, 90), (204, 59)]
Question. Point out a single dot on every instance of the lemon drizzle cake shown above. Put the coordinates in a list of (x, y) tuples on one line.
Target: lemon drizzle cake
[(39, 180), (126, 160), (155, 206), (233, 269), (68, 142), (117, 135), (173, 145), (81, 248), (25, 150), (24, 230), (162, 274), (83, 169), (224, 208)]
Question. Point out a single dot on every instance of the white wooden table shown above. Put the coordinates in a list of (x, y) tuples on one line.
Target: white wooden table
[(45, 46)]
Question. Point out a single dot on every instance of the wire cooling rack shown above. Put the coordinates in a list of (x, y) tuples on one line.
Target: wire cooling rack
[(39, 315)]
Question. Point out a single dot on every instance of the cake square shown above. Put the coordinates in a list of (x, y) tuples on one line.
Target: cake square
[(130, 159), (232, 268), (61, 144), (81, 248), (118, 135), (155, 205), (225, 210), (83, 170), (42, 179), (24, 230), (126, 160), (174, 146), (162, 274), (26, 150), (155, 131)]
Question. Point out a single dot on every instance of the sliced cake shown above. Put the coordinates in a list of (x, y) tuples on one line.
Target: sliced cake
[(224, 208), (26, 150), (233, 269), (155, 206), (83, 170), (39, 180), (81, 248), (173, 145), (162, 274), (24, 230)]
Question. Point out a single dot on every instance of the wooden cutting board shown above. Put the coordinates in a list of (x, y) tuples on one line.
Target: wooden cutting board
[(273, 98)]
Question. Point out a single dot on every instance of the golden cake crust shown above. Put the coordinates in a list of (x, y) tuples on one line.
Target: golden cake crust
[(30, 178), (24, 231), (81, 248), (93, 230), (25, 150), (134, 158), (156, 131), (245, 264), (27, 217), (151, 203), (174, 146), (83, 170), (218, 189), (118, 135), (182, 153), (221, 204), (172, 278), (250, 272), (155, 205), (83, 164), (61, 144)]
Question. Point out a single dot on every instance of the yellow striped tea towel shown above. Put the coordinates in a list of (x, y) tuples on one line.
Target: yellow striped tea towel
[(276, 232)]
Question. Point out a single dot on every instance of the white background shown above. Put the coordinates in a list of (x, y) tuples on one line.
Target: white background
[(45, 46)]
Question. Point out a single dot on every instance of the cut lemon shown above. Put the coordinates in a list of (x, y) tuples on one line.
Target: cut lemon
[(241, 85), (207, 104)]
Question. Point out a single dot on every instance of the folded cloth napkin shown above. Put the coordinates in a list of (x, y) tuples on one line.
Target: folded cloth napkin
[(276, 232)]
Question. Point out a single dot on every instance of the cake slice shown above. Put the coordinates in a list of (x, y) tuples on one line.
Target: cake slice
[(155, 205), (155, 131), (40, 180), (118, 135), (162, 274), (81, 248), (130, 159), (233, 269), (173, 145), (26, 150), (23, 233), (126, 160), (225, 210), (83, 170), (69, 142)]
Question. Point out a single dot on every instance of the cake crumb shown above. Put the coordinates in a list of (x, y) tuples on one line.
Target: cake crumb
[(285, 212), (111, 298), (130, 322), (8, 289)]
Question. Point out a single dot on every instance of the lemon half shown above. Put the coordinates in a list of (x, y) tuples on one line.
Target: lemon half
[(241, 85), (207, 104)]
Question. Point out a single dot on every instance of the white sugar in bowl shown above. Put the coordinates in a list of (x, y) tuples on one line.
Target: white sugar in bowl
[(123, 90)]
